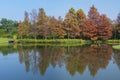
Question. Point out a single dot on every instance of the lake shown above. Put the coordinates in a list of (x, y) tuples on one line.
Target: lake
[(35, 62)]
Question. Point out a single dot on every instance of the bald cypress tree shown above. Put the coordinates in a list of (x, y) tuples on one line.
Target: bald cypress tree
[(81, 17), (71, 24)]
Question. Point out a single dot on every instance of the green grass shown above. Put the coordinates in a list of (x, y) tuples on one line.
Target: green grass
[(116, 47), (65, 41), (3, 41), (49, 44)]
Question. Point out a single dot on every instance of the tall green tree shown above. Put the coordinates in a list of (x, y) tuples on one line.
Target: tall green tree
[(81, 17), (71, 24)]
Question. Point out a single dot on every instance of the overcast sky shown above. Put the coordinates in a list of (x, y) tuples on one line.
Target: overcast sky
[(14, 9)]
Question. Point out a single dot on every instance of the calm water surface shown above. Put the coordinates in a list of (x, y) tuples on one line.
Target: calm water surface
[(59, 63)]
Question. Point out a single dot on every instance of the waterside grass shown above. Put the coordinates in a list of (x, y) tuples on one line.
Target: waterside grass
[(63, 41), (116, 47), (46, 42), (3, 41)]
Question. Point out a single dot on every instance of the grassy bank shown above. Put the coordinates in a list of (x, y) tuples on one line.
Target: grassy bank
[(63, 41), (47, 42), (113, 41), (3, 41)]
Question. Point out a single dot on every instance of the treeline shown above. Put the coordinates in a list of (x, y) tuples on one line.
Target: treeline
[(76, 24)]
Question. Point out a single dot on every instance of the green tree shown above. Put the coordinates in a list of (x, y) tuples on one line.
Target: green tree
[(9, 27), (71, 24), (81, 17)]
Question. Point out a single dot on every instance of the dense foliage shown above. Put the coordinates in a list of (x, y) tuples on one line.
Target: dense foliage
[(8, 27)]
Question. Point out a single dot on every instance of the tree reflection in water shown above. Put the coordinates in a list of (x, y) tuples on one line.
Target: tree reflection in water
[(116, 57), (76, 59), (95, 57)]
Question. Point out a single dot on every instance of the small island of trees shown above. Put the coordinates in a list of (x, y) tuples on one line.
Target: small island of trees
[(75, 25)]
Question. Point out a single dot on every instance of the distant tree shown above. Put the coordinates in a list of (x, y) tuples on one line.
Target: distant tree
[(118, 22), (116, 27), (4, 23), (118, 19), (8, 25)]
